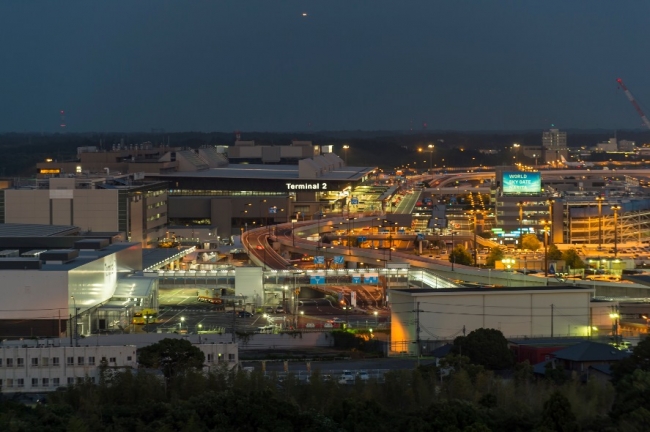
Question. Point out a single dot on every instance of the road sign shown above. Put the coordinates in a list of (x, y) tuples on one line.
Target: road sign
[(354, 201), (339, 259), (420, 236), (319, 260), (361, 239), (371, 278), (273, 210), (316, 280), (356, 278)]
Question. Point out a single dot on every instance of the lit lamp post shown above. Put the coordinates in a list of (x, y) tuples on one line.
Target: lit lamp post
[(453, 255), (430, 146), (508, 263), (265, 218), (545, 226), (345, 152), (599, 200), (375, 313), (293, 232), (520, 204), (614, 316), (550, 203), (474, 213), (616, 209), (181, 323)]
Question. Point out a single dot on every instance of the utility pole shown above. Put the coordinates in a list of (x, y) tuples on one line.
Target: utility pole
[(417, 331), (552, 313), (234, 318)]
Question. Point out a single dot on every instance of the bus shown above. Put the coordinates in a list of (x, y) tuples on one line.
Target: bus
[(145, 316)]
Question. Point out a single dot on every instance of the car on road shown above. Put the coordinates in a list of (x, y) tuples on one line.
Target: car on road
[(336, 321), (279, 309), (259, 247), (244, 314), (347, 377), (363, 375)]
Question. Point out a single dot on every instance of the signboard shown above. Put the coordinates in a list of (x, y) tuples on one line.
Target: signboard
[(354, 201), (317, 279), (339, 259), (522, 183), (307, 186), (361, 239), (356, 278), (319, 260), (353, 298), (273, 210), (420, 237), (371, 278)]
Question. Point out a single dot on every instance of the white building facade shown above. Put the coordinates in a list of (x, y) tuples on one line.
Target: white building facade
[(445, 314)]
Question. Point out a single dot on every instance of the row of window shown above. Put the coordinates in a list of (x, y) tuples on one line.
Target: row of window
[(231, 358), (54, 361), (45, 382)]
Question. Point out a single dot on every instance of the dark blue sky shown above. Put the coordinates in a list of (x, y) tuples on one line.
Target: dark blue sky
[(216, 65)]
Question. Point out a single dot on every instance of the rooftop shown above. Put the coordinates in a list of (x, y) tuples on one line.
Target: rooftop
[(481, 290), (276, 172), (34, 230), (590, 351)]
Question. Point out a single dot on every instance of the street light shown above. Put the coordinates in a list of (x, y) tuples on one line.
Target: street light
[(266, 222), (430, 146), (182, 320), (545, 227), (345, 152), (520, 204), (453, 255), (550, 203), (616, 209), (375, 313), (508, 263), (614, 316), (76, 314), (599, 200)]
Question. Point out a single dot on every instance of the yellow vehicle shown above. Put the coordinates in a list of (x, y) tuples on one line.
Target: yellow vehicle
[(145, 316)]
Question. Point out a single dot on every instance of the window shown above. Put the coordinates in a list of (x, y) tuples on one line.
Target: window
[(55, 382), (80, 380), (0, 362), (10, 382), (80, 361), (35, 362), (92, 380), (129, 358), (70, 380), (10, 362), (112, 360), (0, 383), (45, 361), (70, 361), (55, 361), (231, 358), (210, 358), (103, 359), (34, 382), (46, 382), (20, 362), (91, 361), (20, 382)]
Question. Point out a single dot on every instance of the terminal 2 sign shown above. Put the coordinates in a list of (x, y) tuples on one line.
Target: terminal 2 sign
[(317, 186)]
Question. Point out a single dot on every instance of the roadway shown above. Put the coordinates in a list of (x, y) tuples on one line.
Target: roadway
[(407, 204)]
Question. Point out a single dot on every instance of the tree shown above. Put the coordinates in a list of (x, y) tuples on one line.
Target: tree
[(557, 414), (485, 347), (530, 242), (172, 356), (459, 255), (572, 259), (640, 359), (496, 254), (554, 253)]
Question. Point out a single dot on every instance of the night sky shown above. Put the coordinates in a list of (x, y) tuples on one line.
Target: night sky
[(260, 65)]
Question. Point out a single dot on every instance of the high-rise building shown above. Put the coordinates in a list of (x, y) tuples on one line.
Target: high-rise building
[(554, 145)]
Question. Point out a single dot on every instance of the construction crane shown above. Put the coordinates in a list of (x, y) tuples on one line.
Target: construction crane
[(636, 106)]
